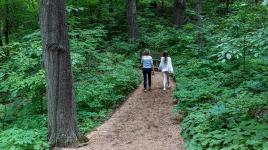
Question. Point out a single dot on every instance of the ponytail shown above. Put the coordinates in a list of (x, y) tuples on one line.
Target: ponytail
[(165, 55)]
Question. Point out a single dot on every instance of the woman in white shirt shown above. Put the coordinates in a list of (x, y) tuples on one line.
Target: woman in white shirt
[(166, 68)]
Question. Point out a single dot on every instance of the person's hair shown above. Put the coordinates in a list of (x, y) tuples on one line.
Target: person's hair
[(165, 55), (146, 52)]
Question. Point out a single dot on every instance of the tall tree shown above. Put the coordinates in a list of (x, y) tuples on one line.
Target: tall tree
[(1, 41), (100, 9), (227, 3), (132, 20), (179, 7), (62, 119), (7, 29), (111, 7), (198, 9), (162, 5), (75, 5)]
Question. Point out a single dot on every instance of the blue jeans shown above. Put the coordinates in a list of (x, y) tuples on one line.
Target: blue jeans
[(147, 72)]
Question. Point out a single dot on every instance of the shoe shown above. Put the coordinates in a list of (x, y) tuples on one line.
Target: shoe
[(150, 89), (144, 90), (164, 89)]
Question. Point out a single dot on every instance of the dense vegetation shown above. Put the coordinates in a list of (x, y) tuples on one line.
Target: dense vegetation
[(222, 83), (225, 103)]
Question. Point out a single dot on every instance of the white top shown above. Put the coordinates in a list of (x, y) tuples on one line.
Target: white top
[(166, 66), (147, 61)]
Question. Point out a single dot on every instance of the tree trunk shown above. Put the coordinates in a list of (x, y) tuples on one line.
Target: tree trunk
[(227, 6), (62, 119), (162, 4), (1, 41), (178, 16), (6, 30), (162, 7), (132, 20), (74, 12), (198, 9), (100, 8), (111, 8)]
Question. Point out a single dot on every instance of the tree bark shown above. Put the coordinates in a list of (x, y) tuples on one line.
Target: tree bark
[(162, 4), (200, 36), (227, 2), (132, 20), (1, 41), (62, 120), (74, 12), (111, 7), (179, 9), (100, 8), (161, 7), (6, 30)]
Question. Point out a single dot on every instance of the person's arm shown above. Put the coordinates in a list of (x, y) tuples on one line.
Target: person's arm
[(153, 69), (153, 66), (141, 63), (171, 67), (160, 65)]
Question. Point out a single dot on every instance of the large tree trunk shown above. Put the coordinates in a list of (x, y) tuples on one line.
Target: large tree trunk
[(6, 30), (200, 36), (62, 119), (132, 20), (178, 16)]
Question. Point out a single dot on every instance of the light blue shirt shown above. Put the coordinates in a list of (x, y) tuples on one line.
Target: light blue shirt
[(147, 61)]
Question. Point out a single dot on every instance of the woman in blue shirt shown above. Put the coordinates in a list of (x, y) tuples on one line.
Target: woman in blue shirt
[(147, 68)]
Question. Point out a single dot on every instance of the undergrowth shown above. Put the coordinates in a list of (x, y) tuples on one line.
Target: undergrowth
[(102, 80)]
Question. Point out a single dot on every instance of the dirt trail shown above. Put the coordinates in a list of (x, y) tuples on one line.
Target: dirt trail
[(143, 122)]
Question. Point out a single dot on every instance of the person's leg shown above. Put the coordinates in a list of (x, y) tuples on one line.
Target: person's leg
[(168, 85), (144, 78), (150, 78), (164, 80), (163, 75)]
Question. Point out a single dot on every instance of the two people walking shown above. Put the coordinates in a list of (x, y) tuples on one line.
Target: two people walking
[(165, 67)]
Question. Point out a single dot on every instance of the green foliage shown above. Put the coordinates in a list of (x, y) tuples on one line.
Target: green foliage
[(219, 115), (20, 15), (102, 80), (224, 95), (122, 47), (222, 90), (19, 139), (166, 38)]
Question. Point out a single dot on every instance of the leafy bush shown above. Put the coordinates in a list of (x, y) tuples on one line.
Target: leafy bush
[(223, 95), (20, 139), (102, 80), (220, 115)]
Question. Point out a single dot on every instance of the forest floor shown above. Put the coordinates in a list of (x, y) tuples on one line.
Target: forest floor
[(143, 122)]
